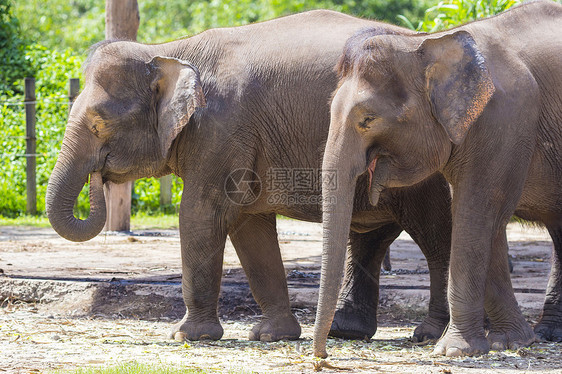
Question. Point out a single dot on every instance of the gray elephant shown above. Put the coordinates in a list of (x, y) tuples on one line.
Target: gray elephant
[(241, 115), (482, 104)]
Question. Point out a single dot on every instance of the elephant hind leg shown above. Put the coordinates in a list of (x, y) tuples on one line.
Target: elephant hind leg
[(550, 325), (356, 314), (386, 264), (255, 239)]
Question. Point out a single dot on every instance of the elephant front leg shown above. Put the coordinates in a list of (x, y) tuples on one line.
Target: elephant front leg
[(509, 330), (255, 239), (356, 313), (550, 325), (202, 242), (479, 276)]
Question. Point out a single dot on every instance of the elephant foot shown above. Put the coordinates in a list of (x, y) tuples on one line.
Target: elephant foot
[(551, 332), (274, 329), (513, 338), (349, 324), (456, 344), (189, 330), (430, 329)]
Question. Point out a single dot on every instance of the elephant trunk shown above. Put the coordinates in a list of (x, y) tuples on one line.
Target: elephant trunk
[(337, 210), (63, 189)]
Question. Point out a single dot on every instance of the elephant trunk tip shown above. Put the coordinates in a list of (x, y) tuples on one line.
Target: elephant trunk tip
[(320, 352)]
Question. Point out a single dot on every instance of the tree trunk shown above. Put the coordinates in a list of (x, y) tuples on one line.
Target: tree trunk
[(121, 22), (121, 19)]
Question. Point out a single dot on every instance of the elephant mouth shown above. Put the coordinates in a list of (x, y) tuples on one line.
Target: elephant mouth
[(373, 155), (371, 170), (376, 166)]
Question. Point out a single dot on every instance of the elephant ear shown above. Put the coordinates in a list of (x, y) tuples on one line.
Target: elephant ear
[(178, 93), (458, 82)]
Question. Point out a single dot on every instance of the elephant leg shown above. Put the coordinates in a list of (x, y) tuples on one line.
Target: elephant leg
[(550, 325), (356, 313), (255, 239), (386, 264), (436, 251), (509, 330), (428, 221), (479, 281), (203, 238)]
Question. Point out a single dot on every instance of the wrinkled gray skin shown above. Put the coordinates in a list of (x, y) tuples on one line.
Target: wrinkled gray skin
[(482, 104), (253, 97)]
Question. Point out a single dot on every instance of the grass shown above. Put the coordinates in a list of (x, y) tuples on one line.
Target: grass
[(136, 368), (138, 222), (35, 221), (165, 221)]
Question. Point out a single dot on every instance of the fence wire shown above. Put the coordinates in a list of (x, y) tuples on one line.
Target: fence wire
[(64, 100), (54, 151)]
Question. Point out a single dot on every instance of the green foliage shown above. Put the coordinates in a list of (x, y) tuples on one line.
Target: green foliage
[(451, 13), (80, 23), (52, 71), (13, 65), (387, 10), (217, 13), (62, 24), (146, 196)]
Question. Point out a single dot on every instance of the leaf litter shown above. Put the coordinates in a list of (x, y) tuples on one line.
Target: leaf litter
[(34, 342)]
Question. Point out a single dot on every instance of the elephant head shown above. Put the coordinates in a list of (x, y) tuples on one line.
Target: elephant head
[(402, 105), (120, 128)]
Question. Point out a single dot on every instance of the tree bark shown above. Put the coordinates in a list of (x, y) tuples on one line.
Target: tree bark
[(121, 19), (121, 22)]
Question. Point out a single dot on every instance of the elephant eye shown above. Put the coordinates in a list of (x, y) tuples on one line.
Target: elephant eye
[(97, 126), (366, 121)]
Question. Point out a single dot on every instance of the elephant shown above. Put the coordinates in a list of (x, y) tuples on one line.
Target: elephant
[(482, 104), (241, 115)]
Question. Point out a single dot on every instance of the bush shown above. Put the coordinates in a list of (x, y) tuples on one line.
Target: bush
[(13, 65), (52, 71), (451, 13), (146, 196), (80, 23)]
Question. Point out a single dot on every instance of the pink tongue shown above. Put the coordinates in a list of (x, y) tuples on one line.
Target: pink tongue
[(371, 169)]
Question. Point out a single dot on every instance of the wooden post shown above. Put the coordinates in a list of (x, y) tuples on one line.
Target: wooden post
[(121, 22), (30, 145), (166, 190), (118, 205), (73, 91), (121, 19)]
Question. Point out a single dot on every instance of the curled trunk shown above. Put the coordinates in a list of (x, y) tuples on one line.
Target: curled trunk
[(63, 189)]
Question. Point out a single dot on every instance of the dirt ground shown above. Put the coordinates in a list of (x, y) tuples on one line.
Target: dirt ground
[(113, 299)]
